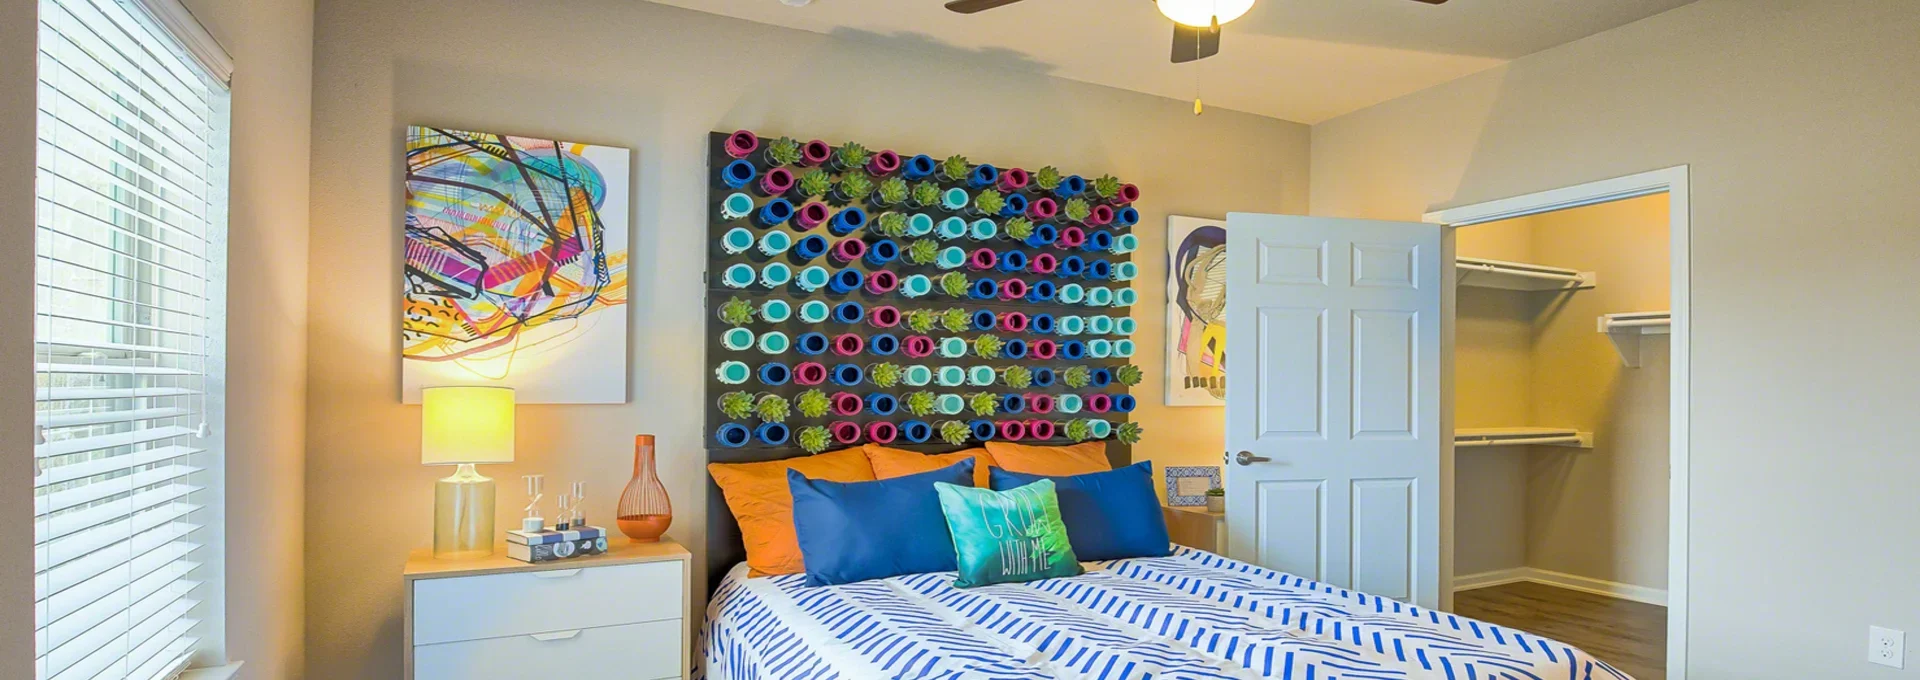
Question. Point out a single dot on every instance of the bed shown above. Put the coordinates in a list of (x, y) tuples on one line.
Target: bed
[(1193, 614)]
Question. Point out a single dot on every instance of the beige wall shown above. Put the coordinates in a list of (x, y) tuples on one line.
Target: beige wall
[(19, 26), (1493, 364), (655, 79), (1797, 120)]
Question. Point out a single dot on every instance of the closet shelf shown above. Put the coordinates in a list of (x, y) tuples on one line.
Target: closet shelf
[(1483, 273), (1468, 437), (1625, 330)]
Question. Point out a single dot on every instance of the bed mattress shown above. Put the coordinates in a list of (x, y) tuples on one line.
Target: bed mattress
[(1190, 615)]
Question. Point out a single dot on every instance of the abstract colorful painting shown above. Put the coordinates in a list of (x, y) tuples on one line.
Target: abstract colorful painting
[(1196, 312), (516, 266)]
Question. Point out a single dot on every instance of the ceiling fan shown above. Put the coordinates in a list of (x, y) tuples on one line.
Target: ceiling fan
[(1196, 23)]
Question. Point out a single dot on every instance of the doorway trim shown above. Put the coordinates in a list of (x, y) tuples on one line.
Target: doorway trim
[(1673, 182)]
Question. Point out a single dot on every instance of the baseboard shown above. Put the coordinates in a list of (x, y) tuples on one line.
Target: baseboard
[(1488, 579)]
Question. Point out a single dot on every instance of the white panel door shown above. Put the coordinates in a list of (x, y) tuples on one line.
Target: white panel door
[(1333, 401)]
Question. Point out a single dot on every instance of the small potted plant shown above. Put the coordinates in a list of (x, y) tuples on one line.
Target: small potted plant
[(849, 156), (1076, 377), (925, 194), (891, 191), (814, 439), (783, 152), (987, 346), (920, 320), (772, 408), (1128, 433), (1046, 179), (988, 202), (955, 168), (813, 184), (737, 312), (853, 188), (955, 319), (1018, 229), (923, 251), (1106, 187), (1075, 210), (919, 403), (891, 224), (884, 374), (954, 432), (1216, 497), (736, 405), (984, 404), (812, 403), (1079, 430), (1017, 377), (954, 284), (1128, 375)]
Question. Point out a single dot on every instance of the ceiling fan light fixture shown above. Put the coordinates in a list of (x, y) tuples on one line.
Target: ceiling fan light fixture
[(1202, 13)]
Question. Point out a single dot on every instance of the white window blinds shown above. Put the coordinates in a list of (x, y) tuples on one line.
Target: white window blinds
[(128, 326)]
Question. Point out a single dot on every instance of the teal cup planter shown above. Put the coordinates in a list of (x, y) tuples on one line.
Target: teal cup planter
[(1068, 403), (1125, 297), (1100, 324), (1072, 325), (1126, 243), (776, 274), (951, 228), (980, 376), (736, 206), (1123, 348), (953, 200), (1125, 325), (951, 257), (1126, 271), (1100, 428), (1100, 348), (738, 276), (917, 376), (812, 278), (950, 376), (736, 241), (983, 229), (732, 373), (916, 285), (774, 342), (776, 311), (1099, 296), (953, 348), (1072, 294), (775, 243), (736, 339), (919, 224), (949, 404), (814, 311)]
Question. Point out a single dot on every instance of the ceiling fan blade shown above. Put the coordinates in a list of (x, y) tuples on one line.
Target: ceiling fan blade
[(1433, 2), (971, 6), (1194, 44)]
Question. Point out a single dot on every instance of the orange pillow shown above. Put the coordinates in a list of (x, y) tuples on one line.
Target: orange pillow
[(1052, 461), (761, 502), (889, 462)]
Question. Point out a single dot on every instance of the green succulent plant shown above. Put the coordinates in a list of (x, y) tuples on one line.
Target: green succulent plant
[(772, 408), (851, 155), (919, 403), (987, 346), (1128, 375), (891, 224), (1076, 209), (955, 319), (783, 152), (815, 183), (920, 320), (924, 194), (884, 374), (923, 251), (954, 284), (1018, 228), (1076, 377), (1017, 377), (856, 186), (1106, 186), (736, 312), (892, 190), (954, 432), (814, 439), (736, 405), (989, 201), (1047, 178), (955, 167), (984, 404), (1079, 430), (812, 403), (1127, 433)]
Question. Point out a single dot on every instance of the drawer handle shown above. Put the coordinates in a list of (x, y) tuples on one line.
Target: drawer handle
[(557, 573), (562, 635)]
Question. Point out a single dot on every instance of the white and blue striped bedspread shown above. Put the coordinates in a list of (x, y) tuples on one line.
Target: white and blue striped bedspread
[(1191, 615)]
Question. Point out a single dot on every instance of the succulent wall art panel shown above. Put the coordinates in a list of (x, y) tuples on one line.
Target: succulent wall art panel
[(515, 266), (1196, 312)]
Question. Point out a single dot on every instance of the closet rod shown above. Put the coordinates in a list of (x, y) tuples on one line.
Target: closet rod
[(1636, 323), (1518, 442), (1551, 276)]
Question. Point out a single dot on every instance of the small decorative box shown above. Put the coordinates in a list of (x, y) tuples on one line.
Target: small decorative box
[(1187, 485), (547, 546)]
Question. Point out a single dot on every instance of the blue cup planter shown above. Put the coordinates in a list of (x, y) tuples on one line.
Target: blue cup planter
[(1098, 242), (812, 279), (1043, 377), (983, 176), (736, 241), (952, 348), (884, 344), (954, 200), (951, 376), (814, 311), (916, 431), (736, 206), (1072, 325), (918, 167), (983, 229), (809, 248), (1126, 217), (882, 404), (737, 174), (775, 275), (1040, 323), (915, 286), (983, 430), (1043, 235), (1126, 271), (919, 224), (1070, 186), (846, 281), (732, 435), (1102, 377), (882, 252), (849, 312), (847, 221), (847, 375), (739, 276), (775, 212), (1016, 205), (775, 373), (736, 339), (811, 343), (776, 311), (1013, 403), (1014, 349), (951, 228), (1013, 261), (1068, 403), (1123, 348), (951, 257), (1072, 267), (1100, 269), (985, 320), (983, 289), (774, 243), (1073, 350), (773, 343), (772, 434), (1125, 403), (1041, 291), (1072, 294)]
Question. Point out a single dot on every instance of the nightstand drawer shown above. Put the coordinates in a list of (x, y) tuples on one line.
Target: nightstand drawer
[(641, 651), (502, 605)]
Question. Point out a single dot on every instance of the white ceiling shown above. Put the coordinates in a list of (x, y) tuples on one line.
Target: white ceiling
[(1300, 60)]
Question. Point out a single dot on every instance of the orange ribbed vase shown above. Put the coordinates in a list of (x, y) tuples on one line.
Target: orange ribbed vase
[(645, 512)]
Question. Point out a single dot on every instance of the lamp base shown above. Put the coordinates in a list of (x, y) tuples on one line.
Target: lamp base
[(463, 515)]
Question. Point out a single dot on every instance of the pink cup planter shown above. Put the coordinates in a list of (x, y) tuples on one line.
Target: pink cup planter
[(1100, 215), (742, 143), (982, 259), (1014, 322), (846, 403), (1043, 349), (883, 316), (882, 432), (1044, 263), (1099, 403), (1040, 429), (848, 344), (1071, 237), (1128, 193), (1042, 209), (882, 282), (883, 163), (810, 373), (815, 153), (777, 181), (844, 432), (1013, 289), (1012, 430), (1014, 179), (812, 215), (919, 346), (1040, 403), (848, 250)]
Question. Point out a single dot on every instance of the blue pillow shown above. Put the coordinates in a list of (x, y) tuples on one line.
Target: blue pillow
[(855, 531), (1109, 515)]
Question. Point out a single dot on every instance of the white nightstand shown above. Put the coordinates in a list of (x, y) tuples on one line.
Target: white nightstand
[(1194, 527), (618, 615)]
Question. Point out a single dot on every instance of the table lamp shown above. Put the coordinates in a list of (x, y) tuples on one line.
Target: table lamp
[(464, 426)]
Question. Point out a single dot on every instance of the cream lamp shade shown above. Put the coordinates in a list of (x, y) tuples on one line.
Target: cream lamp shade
[(1201, 13), (466, 425)]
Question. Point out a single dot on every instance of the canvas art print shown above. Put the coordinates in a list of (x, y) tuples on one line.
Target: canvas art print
[(516, 266), (1196, 312)]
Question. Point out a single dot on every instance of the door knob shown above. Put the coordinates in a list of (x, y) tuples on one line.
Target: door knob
[(1247, 458)]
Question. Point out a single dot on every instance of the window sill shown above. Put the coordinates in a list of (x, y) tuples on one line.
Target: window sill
[(226, 672)]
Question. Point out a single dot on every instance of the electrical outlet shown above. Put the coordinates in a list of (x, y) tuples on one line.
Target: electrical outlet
[(1887, 647)]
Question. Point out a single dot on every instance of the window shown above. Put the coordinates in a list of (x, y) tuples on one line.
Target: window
[(129, 326)]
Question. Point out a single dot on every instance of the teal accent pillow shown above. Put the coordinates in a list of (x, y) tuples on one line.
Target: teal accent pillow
[(1007, 536)]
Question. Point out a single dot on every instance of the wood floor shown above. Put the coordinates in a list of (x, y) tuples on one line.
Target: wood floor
[(1632, 636)]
